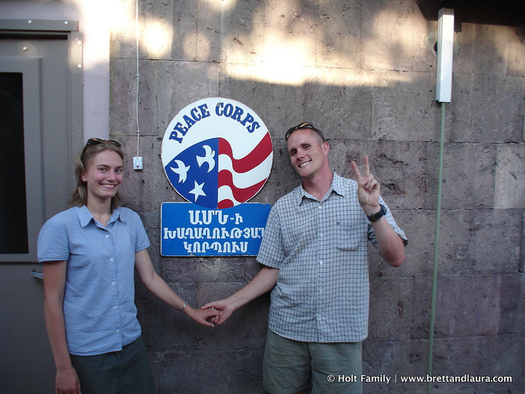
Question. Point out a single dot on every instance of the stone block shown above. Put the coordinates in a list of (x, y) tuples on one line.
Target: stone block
[(178, 84), (510, 177), (209, 269), (123, 84), (512, 319), (390, 308), (209, 32), (522, 244), (398, 113), (395, 164), (468, 176), (475, 41), (395, 360), (235, 371), (419, 227), (339, 105), (479, 241), (459, 357), (338, 34), (165, 328), (388, 41), (166, 30), (466, 305), (245, 329), (516, 54), (486, 108)]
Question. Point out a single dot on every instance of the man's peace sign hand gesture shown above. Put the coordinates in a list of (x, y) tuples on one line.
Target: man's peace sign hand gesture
[(368, 188)]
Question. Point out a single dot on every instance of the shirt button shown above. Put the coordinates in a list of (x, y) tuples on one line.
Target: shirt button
[(107, 235), (321, 262), (111, 259), (118, 331), (114, 307), (113, 283)]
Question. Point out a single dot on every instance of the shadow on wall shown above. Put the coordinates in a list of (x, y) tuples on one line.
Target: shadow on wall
[(484, 12)]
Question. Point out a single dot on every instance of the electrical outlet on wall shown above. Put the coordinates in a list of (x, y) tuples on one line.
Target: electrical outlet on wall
[(137, 163)]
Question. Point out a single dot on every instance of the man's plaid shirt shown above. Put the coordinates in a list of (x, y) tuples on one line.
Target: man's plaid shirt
[(320, 249)]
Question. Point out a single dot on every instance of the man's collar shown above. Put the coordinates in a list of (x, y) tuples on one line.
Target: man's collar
[(337, 187)]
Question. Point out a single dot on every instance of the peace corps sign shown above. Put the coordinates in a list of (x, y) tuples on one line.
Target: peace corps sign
[(217, 153)]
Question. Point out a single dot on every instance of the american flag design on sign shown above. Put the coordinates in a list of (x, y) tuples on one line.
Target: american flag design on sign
[(209, 173)]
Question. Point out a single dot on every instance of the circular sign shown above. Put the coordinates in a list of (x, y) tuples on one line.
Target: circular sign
[(217, 153)]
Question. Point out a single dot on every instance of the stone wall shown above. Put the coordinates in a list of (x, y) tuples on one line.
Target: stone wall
[(363, 72)]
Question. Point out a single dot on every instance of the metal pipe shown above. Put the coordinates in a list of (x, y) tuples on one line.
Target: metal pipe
[(436, 249)]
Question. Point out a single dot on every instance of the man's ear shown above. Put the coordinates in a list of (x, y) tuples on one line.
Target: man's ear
[(326, 148)]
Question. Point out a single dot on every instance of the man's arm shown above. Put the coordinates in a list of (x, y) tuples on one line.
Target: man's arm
[(391, 246), (263, 282)]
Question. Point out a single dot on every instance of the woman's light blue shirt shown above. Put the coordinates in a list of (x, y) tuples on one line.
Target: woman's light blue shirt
[(99, 297)]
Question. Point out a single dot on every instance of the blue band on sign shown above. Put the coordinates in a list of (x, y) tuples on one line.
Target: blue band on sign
[(190, 230)]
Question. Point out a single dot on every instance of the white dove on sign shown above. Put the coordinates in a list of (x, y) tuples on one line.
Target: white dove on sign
[(181, 171), (208, 158)]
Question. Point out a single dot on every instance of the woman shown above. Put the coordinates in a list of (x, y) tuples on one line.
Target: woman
[(90, 253)]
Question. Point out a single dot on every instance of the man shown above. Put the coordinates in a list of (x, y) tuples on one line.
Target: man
[(314, 253)]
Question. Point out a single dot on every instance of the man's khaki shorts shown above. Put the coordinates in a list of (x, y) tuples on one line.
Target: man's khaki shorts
[(290, 366)]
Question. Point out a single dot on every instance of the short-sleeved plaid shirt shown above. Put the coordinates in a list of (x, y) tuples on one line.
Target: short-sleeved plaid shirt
[(320, 249)]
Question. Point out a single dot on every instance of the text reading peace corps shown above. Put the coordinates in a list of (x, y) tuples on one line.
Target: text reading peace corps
[(200, 112)]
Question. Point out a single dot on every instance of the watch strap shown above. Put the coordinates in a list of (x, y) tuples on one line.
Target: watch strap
[(378, 215)]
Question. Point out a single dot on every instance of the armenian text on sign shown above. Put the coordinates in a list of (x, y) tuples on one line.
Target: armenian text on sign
[(190, 230)]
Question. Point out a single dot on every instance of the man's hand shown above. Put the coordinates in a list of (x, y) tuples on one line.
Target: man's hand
[(202, 316), (368, 189), (224, 311)]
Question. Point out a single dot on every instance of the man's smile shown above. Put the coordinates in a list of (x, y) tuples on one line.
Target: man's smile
[(304, 164)]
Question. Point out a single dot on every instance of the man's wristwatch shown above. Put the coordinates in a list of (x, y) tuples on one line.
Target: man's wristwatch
[(378, 215)]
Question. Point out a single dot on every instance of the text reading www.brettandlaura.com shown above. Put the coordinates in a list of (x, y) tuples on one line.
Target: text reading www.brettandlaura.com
[(466, 378)]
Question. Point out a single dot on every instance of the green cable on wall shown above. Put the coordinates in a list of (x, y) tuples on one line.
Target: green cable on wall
[(436, 249)]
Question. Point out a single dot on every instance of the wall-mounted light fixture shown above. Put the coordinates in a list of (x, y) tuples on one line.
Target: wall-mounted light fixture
[(445, 49)]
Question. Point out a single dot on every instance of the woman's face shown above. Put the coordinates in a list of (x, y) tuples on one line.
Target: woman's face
[(103, 175)]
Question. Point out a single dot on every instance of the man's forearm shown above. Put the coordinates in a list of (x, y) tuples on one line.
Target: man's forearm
[(391, 246), (262, 283)]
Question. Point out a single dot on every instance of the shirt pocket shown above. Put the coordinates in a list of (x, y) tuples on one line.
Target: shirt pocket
[(347, 234)]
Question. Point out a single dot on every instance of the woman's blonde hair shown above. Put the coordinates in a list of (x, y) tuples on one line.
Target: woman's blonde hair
[(82, 161)]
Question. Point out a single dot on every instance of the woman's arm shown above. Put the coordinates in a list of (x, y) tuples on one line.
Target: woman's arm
[(160, 288), (262, 283), (54, 284)]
